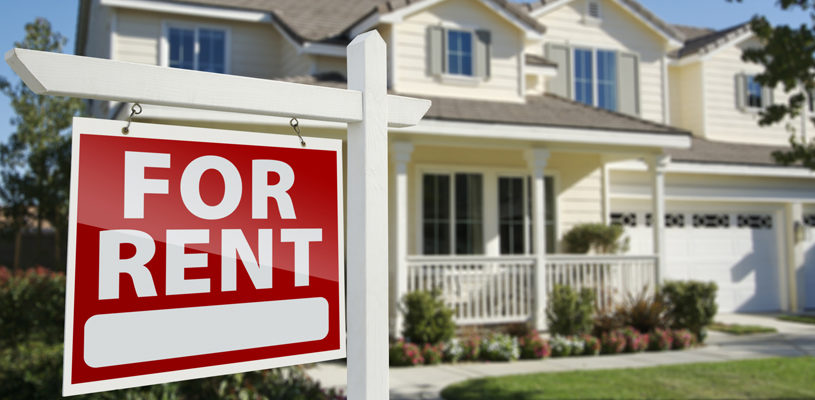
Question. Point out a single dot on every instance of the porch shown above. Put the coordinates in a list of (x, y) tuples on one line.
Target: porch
[(482, 226)]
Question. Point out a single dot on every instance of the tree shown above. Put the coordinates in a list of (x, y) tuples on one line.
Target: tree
[(788, 57), (36, 157)]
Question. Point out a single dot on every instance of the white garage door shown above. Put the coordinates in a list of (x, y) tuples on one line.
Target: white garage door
[(736, 248)]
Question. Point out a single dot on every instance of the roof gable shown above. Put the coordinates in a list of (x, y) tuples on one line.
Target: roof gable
[(708, 41), (640, 13)]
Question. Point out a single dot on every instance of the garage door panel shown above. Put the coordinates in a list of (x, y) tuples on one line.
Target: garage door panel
[(737, 250)]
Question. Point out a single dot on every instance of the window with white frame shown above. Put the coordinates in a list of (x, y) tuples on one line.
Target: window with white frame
[(459, 52), (515, 215), (197, 48), (595, 78), (452, 214)]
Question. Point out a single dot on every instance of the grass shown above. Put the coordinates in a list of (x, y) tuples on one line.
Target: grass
[(804, 319), (738, 329), (751, 379)]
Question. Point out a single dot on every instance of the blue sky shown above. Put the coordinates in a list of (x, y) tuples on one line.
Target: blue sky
[(62, 14)]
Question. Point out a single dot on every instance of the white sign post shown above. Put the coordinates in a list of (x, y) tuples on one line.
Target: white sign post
[(365, 106)]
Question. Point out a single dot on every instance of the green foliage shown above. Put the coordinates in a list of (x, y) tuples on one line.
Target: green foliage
[(403, 354), (599, 237), (691, 305), (645, 312), (31, 370), (427, 318), (36, 158), (569, 313), (499, 347), (533, 347), (804, 319), (32, 306)]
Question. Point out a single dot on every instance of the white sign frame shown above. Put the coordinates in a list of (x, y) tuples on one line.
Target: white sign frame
[(89, 126)]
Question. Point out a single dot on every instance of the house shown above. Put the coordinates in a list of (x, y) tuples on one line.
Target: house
[(545, 115)]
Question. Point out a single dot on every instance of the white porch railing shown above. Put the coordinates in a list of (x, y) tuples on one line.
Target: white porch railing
[(611, 277), (483, 290), (478, 289)]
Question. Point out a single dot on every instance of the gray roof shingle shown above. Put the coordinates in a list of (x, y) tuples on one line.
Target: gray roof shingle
[(330, 20), (706, 151), (706, 40), (548, 110)]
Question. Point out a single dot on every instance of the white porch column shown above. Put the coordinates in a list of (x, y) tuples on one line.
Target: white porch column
[(796, 295), (537, 159), (657, 167), (401, 152)]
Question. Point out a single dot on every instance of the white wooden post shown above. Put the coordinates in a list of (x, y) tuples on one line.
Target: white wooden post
[(401, 154), (537, 159), (658, 166), (368, 229)]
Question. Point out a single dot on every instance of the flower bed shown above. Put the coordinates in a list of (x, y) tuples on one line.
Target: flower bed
[(531, 346)]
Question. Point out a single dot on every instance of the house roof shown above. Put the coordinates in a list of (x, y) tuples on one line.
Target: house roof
[(323, 21), (707, 151), (635, 6), (532, 59), (705, 40), (548, 110)]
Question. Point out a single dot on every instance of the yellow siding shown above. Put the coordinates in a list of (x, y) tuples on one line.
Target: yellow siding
[(253, 46), (723, 120), (411, 52), (330, 64), (618, 31), (687, 107), (578, 181)]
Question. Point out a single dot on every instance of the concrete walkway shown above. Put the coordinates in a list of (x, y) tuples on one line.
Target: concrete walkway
[(409, 383)]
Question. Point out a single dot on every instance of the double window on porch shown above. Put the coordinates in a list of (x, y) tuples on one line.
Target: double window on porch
[(456, 218)]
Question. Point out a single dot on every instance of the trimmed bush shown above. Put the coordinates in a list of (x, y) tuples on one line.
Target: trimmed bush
[(405, 354), (427, 318), (660, 340), (533, 347), (281, 383), (691, 305), (432, 354), (32, 306), (471, 347), (591, 345), (499, 347), (568, 312), (612, 342), (682, 339), (598, 237)]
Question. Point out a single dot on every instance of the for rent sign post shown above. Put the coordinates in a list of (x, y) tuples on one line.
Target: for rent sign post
[(196, 252)]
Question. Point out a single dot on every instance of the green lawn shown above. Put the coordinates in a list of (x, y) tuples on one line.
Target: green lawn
[(752, 379), (804, 319), (737, 329)]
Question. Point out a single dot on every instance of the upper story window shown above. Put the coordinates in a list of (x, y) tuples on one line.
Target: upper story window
[(459, 52), (750, 95), (595, 83), (197, 48)]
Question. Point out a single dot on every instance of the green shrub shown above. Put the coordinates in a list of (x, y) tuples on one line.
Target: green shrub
[(660, 340), (533, 347), (682, 339), (271, 384), (691, 305), (471, 348), (452, 350), (634, 340), (569, 313), (32, 306), (427, 318), (645, 312), (432, 354), (31, 370), (403, 354), (613, 342), (599, 237), (591, 345)]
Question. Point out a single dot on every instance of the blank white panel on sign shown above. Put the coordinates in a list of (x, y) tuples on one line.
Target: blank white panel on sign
[(126, 338)]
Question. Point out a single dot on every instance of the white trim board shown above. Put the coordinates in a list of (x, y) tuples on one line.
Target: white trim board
[(720, 169)]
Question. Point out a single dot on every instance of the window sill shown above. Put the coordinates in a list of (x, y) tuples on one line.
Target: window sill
[(459, 80)]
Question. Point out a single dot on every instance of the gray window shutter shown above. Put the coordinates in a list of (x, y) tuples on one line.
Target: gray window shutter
[(435, 50), (560, 84), (741, 91), (628, 85), (483, 48)]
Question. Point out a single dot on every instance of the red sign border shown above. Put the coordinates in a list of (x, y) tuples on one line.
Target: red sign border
[(91, 126)]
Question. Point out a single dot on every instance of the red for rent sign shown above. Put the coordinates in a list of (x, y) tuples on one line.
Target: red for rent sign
[(196, 252)]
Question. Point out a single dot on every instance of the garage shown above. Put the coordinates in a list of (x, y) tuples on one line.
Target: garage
[(808, 272), (734, 245)]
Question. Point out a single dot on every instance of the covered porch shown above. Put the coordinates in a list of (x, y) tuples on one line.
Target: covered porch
[(470, 220)]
